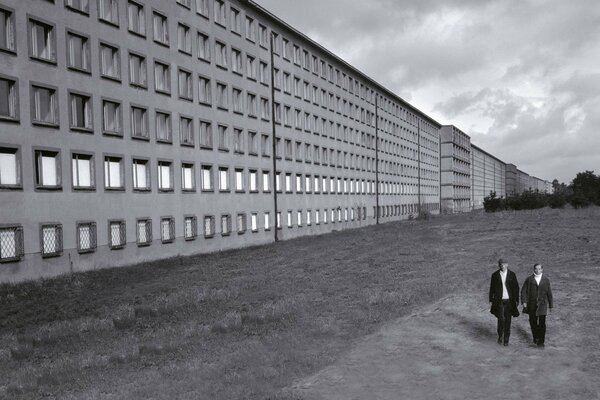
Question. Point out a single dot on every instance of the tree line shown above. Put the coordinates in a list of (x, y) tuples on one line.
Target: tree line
[(583, 191)]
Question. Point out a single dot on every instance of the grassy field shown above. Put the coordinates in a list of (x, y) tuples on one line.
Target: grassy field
[(254, 323)]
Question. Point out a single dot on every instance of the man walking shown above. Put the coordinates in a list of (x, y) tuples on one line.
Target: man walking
[(504, 296), (536, 296)]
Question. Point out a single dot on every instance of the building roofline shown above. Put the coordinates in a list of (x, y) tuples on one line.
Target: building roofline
[(491, 155), (266, 13)]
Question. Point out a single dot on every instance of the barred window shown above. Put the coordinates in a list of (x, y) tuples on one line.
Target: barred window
[(86, 237), (190, 227), (209, 226), (51, 240), (116, 234), (11, 243), (144, 232), (167, 229), (225, 225), (241, 223)]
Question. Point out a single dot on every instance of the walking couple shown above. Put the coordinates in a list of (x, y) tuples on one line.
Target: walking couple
[(536, 297)]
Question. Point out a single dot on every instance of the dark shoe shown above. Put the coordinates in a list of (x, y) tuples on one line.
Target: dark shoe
[(499, 340), (540, 345), (505, 343)]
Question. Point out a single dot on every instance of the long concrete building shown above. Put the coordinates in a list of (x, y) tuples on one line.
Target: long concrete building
[(138, 130)]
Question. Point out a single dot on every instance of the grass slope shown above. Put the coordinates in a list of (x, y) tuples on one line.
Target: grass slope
[(247, 324)]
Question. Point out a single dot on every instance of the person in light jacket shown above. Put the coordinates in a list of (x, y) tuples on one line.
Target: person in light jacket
[(536, 296)]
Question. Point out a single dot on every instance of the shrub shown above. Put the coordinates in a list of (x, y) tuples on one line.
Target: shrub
[(492, 203)]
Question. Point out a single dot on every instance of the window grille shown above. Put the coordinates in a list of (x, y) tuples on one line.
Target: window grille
[(51, 240), (86, 237), (116, 235), (11, 243), (144, 232)]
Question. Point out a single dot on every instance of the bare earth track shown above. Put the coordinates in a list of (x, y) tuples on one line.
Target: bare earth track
[(397, 311)]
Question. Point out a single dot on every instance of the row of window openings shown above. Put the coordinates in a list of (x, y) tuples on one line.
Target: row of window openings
[(51, 235)]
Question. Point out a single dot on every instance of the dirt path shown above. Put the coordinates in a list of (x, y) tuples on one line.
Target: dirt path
[(449, 351)]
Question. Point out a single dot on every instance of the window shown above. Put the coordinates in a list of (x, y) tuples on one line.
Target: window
[(47, 169), (221, 54), (286, 48), (209, 226), (135, 18), (288, 183), (144, 232), (290, 222), (264, 109), (186, 89), (116, 234), (9, 98), (165, 176), (225, 225), (202, 7), (265, 145), (7, 30), (250, 29), (81, 111), (137, 70), (141, 175), (186, 131), (184, 39), (252, 143), (253, 174), (204, 92), (264, 73), (10, 168), (267, 221), (236, 23), (113, 173), (82, 171), (223, 179), (112, 118), (86, 237), (203, 47), (317, 217), (161, 28), (223, 137), (299, 218), (266, 181), (167, 229), (51, 240), (162, 77), (287, 82), (44, 105), (42, 41), (139, 123), (241, 223), (263, 37), (250, 67), (251, 104), (207, 178), (276, 43), (78, 52), (219, 13), (163, 127), (190, 227), (222, 101), (188, 181), (81, 6), (11, 243), (238, 103), (278, 221), (108, 11), (206, 137), (254, 222), (238, 140), (110, 61), (236, 61), (298, 183), (239, 180)]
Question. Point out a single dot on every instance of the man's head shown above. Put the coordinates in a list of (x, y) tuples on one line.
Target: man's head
[(538, 269), (502, 264)]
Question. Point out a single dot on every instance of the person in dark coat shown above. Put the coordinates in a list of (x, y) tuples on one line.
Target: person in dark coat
[(536, 296), (504, 298)]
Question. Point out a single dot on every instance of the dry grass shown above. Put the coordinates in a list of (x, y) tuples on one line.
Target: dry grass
[(245, 324)]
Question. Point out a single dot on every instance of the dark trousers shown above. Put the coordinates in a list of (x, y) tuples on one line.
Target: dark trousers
[(538, 327), (504, 320)]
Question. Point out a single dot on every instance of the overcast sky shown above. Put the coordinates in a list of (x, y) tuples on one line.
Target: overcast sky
[(521, 77)]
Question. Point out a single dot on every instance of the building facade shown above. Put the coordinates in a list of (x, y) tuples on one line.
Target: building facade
[(455, 170), (134, 130), (488, 174)]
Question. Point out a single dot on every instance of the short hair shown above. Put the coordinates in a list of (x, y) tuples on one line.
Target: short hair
[(537, 265)]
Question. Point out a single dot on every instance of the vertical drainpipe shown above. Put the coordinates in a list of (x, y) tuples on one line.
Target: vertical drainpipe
[(419, 162), (274, 140), (376, 159)]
